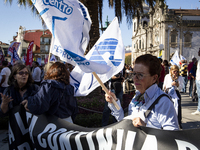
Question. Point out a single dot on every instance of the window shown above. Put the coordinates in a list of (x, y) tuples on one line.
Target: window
[(134, 26), (46, 48), (23, 52), (43, 57), (187, 39), (173, 38), (139, 44), (145, 24), (46, 40), (142, 44), (42, 48)]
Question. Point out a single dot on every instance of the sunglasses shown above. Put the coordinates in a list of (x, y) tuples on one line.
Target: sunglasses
[(23, 72)]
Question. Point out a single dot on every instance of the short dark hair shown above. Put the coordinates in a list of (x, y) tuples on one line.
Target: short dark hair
[(58, 71), (160, 60), (165, 62), (5, 63), (15, 69), (37, 64), (151, 62)]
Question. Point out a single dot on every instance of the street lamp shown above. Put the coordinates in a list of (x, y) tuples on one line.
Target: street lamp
[(107, 24)]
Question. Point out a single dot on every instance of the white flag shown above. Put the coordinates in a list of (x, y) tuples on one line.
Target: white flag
[(69, 23), (175, 59), (108, 50)]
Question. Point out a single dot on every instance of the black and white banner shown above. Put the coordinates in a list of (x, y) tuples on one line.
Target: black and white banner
[(28, 131)]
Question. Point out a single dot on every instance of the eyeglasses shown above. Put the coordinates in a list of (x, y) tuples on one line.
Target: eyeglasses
[(23, 72), (139, 76), (175, 71)]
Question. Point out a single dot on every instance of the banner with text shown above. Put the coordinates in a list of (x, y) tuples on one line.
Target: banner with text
[(28, 131)]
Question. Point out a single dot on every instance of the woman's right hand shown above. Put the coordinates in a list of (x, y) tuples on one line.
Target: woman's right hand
[(5, 99), (110, 96)]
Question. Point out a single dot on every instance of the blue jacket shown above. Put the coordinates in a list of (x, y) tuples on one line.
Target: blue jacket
[(54, 98), (17, 99)]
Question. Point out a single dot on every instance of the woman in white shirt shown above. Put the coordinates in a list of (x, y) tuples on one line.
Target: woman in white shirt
[(174, 82), (146, 73)]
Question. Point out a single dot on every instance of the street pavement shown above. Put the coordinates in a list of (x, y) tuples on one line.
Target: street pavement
[(188, 121)]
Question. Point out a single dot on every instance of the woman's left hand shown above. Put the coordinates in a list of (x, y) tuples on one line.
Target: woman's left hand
[(137, 122), (25, 103)]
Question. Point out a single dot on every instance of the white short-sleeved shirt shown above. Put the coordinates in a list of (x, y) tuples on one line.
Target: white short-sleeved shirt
[(163, 115), (5, 71)]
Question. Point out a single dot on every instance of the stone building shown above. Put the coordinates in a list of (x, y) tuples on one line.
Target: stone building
[(162, 31)]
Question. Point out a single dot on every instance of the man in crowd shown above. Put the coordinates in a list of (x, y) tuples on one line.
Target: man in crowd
[(162, 75), (5, 73), (189, 78), (197, 112), (36, 73), (183, 73)]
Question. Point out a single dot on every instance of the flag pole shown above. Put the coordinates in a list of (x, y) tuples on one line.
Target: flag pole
[(105, 89)]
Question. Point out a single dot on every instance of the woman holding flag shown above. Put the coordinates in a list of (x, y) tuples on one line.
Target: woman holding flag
[(150, 106)]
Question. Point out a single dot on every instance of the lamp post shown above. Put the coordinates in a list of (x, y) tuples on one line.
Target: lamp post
[(107, 24)]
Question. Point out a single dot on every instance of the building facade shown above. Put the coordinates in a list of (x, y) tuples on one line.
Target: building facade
[(42, 42), (162, 31)]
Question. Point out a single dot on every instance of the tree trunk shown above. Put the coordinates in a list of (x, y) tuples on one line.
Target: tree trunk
[(92, 6)]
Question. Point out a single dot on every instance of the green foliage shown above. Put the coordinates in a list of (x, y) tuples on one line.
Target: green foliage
[(128, 60)]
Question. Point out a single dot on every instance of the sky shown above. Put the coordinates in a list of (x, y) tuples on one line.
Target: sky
[(13, 16)]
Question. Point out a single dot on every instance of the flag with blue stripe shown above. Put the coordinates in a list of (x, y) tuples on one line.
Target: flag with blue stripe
[(108, 50), (69, 23)]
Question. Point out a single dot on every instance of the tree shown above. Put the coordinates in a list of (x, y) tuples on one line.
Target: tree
[(129, 8)]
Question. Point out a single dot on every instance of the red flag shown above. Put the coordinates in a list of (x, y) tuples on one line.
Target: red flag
[(29, 58)]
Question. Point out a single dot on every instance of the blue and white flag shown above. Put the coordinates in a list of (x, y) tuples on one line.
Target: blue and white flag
[(109, 50), (183, 58), (69, 22), (175, 59), (53, 58), (14, 57)]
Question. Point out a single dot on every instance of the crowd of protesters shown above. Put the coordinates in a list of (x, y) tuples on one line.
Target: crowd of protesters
[(44, 89), (37, 91)]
